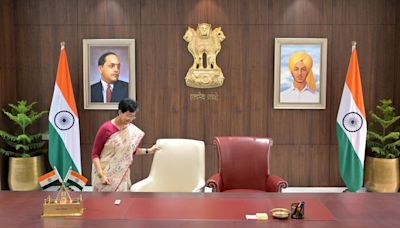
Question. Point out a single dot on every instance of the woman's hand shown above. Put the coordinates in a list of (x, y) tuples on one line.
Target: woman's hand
[(154, 149), (104, 180), (151, 150)]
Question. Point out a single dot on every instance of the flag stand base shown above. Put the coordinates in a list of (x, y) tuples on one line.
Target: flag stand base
[(63, 205)]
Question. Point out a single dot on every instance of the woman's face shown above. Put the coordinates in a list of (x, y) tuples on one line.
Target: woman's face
[(300, 72), (127, 117)]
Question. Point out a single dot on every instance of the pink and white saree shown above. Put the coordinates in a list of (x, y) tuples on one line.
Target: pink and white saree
[(116, 158)]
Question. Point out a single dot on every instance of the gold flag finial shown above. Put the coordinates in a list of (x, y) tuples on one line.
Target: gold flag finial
[(353, 45)]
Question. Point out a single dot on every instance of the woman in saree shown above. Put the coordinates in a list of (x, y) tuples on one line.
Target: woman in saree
[(116, 142)]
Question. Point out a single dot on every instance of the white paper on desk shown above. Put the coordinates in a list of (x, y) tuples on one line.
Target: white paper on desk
[(251, 217)]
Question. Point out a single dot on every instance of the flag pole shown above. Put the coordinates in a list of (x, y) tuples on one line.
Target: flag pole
[(62, 44), (66, 176), (353, 45)]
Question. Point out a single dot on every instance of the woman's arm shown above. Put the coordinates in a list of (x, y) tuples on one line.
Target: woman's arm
[(103, 178), (151, 150), (102, 136)]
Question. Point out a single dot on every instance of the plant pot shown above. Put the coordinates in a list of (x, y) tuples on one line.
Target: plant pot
[(382, 175), (23, 173)]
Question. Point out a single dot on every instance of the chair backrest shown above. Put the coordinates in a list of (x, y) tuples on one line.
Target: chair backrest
[(243, 161), (179, 166)]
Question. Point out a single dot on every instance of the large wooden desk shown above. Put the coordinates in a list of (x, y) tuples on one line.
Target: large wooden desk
[(23, 209)]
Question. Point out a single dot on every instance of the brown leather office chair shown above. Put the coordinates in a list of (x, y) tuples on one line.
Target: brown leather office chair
[(244, 166)]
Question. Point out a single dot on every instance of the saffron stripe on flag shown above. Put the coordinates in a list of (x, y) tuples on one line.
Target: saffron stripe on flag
[(64, 83), (47, 175), (353, 81), (79, 177)]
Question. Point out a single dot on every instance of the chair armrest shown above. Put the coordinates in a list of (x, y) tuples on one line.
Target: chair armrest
[(141, 185), (275, 184), (215, 182), (200, 187)]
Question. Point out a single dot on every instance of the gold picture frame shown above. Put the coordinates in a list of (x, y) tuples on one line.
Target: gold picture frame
[(93, 91), (300, 73)]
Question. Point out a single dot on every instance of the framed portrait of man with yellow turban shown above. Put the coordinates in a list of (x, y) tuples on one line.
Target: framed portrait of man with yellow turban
[(300, 73)]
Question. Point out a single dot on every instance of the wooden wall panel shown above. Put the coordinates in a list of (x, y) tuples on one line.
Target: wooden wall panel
[(8, 80), (7, 36), (300, 12), (86, 158), (193, 12), (243, 100), (334, 175), (305, 146), (289, 162), (301, 165), (92, 12), (46, 12), (396, 84), (360, 12), (108, 12), (123, 12), (384, 62)]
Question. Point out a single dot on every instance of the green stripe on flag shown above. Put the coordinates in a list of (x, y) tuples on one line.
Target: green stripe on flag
[(60, 158), (351, 169)]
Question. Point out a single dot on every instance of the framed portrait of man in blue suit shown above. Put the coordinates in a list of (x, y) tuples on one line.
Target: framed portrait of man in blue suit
[(108, 72)]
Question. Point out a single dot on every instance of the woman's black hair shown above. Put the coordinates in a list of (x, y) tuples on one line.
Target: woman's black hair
[(126, 105)]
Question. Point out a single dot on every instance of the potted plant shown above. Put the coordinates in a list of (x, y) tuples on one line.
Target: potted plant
[(383, 144), (25, 150)]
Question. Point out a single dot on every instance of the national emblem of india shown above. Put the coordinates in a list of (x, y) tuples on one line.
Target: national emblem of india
[(204, 44)]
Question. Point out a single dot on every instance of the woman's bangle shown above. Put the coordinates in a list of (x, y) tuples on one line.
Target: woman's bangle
[(100, 174)]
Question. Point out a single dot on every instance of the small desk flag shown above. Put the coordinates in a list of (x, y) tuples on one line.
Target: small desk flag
[(49, 179), (75, 179)]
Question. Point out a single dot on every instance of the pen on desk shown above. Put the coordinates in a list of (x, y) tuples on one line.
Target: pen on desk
[(298, 208)]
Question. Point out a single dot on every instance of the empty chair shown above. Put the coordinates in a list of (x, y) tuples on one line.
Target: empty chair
[(179, 166), (244, 166)]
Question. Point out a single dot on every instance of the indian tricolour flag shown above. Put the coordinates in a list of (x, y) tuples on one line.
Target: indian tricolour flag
[(74, 179), (351, 128), (64, 140), (49, 178)]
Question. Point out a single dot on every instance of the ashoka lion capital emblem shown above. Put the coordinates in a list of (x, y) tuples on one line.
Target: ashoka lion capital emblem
[(204, 44)]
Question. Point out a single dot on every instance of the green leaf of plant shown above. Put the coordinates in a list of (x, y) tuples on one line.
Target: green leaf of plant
[(24, 144), (7, 152), (21, 147), (382, 140), (24, 138), (375, 136), (34, 146), (8, 137)]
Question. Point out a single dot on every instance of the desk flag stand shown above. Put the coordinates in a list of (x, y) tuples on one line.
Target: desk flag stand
[(63, 205)]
